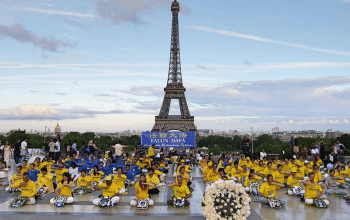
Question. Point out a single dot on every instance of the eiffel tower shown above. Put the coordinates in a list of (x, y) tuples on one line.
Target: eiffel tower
[(174, 88)]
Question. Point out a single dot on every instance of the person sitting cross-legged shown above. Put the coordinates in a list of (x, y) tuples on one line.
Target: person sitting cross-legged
[(64, 189), (28, 188), (268, 190), (141, 191), (181, 191), (108, 190), (313, 190)]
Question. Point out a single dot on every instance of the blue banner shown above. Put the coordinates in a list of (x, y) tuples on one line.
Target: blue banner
[(169, 139)]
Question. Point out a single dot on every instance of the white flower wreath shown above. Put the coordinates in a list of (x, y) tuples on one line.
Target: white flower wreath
[(216, 206)]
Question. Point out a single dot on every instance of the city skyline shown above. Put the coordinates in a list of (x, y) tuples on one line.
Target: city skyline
[(98, 65)]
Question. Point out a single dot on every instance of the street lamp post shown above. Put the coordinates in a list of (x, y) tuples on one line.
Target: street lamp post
[(252, 142)]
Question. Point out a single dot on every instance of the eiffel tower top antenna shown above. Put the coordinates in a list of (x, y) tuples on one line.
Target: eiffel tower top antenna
[(175, 75)]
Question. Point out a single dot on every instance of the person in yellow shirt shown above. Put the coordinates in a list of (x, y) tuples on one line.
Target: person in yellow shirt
[(45, 180), (268, 190), (229, 167), (347, 172), (268, 169), (221, 161), (319, 161), (25, 166), (236, 171), (252, 178), (292, 181), (186, 178), (313, 190), (265, 161), (151, 151), (17, 177), (141, 191), (64, 189), (60, 171), (152, 178), (28, 188), (292, 164), (96, 175), (108, 190), (300, 170), (37, 163), (278, 176), (213, 174), (242, 161), (207, 168), (244, 174), (119, 180), (84, 180), (180, 191), (285, 165), (260, 169), (274, 164), (341, 174), (222, 175), (317, 173)]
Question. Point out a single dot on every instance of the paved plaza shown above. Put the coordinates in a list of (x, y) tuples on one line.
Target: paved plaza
[(83, 208)]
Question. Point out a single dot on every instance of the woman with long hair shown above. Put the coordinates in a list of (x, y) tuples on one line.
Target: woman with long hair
[(96, 175), (141, 191), (64, 189), (6, 153)]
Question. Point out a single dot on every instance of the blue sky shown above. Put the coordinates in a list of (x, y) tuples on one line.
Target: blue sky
[(101, 65)]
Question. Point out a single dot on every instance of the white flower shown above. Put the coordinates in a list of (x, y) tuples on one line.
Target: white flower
[(225, 211)]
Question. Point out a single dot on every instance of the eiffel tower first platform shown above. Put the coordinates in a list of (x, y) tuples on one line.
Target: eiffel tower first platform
[(174, 88)]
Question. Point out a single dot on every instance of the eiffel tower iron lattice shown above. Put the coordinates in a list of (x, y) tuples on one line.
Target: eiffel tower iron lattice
[(174, 88)]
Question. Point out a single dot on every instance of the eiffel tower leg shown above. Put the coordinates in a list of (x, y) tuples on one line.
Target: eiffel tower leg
[(164, 111), (185, 112)]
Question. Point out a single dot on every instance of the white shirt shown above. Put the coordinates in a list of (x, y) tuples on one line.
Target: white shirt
[(118, 149), (262, 155), (58, 147), (314, 151), (23, 145)]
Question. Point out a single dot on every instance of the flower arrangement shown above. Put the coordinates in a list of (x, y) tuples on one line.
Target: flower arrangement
[(226, 200), (142, 204), (82, 190), (105, 202)]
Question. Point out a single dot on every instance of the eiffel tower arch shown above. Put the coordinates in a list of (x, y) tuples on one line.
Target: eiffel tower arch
[(174, 88)]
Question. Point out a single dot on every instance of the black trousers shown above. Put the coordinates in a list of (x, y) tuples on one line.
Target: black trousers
[(153, 191)]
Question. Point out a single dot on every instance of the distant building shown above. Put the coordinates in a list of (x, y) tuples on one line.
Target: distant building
[(332, 134), (57, 130), (275, 129)]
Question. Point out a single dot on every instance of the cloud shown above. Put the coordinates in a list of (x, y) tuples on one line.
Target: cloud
[(19, 33), (143, 91), (41, 112), (55, 12), (129, 11), (267, 40), (60, 93), (75, 83), (75, 23), (202, 67), (104, 95)]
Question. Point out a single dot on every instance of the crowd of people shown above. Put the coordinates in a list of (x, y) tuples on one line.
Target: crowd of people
[(308, 179), (111, 172)]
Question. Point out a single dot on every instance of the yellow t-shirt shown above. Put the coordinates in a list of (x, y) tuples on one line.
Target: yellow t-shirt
[(291, 181), (65, 190), (16, 178), (279, 177), (213, 176), (59, 174), (254, 179), (142, 194), (268, 171), (150, 152), (181, 191), (318, 177), (26, 191), (25, 168), (97, 177), (45, 180), (242, 162), (228, 169), (235, 172), (119, 180), (266, 190), (311, 191), (300, 173), (340, 174), (84, 181), (319, 162), (347, 171), (154, 179), (108, 191), (285, 167), (244, 174)]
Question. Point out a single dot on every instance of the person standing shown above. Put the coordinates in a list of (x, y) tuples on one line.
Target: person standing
[(24, 149), (17, 151), (46, 147), (6, 153), (262, 154), (322, 150), (341, 152), (291, 144), (74, 147), (335, 149), (52, 146), (118, 149), (57, 149)]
